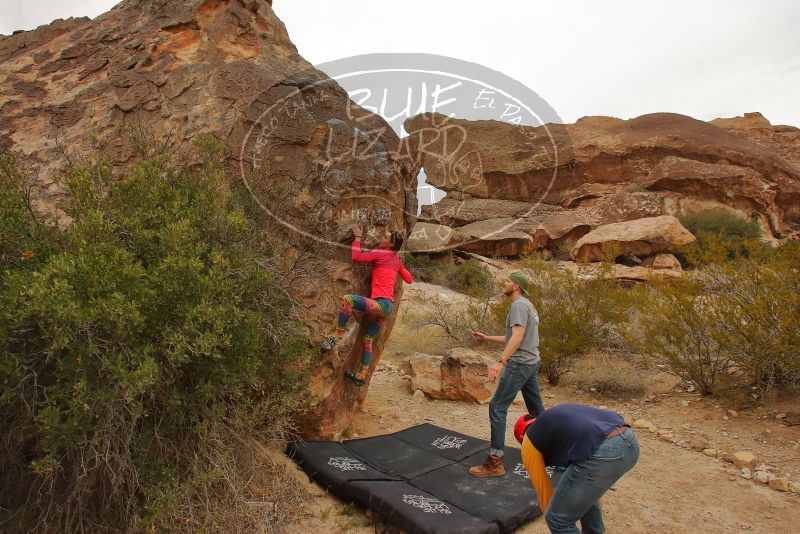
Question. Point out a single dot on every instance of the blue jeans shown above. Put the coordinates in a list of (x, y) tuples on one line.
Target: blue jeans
[(516, 377), (578, 488)]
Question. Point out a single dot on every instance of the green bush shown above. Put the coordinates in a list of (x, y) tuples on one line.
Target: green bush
[(472, 278), (24, 241), (423, 267), (721, 236), (722, 223), (139, 353)]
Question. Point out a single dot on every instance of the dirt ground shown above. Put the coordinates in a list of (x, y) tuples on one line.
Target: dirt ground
[(675, 487)]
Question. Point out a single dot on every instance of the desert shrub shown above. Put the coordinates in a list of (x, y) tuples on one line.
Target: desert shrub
[(456, 321), (420, 265), (734, 328), (24, 240), (684, 326), (472, 278), (143, 353), (759, 308), (607, 378), (575, 316), (721, 236), (722, 223)]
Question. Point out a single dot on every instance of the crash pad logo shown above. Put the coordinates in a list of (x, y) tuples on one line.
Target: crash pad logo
[(427, 504), (448, 442), (316, 160), (346, 464), (521, 471)]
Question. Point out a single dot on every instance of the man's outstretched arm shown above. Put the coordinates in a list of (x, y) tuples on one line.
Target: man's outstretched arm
[(480, 336)]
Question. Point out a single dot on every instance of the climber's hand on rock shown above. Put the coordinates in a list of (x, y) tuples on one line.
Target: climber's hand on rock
[(356, 231)]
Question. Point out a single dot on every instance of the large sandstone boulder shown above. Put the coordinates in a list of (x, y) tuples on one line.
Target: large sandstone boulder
[(460, 212), (596, 157), (642, 237), (156, 74), (459, 375)]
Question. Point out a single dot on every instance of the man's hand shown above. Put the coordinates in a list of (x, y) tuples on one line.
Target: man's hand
[(494, 371), (356, 231), (479, 336)]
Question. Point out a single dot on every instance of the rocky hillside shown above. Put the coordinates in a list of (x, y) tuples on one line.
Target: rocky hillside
[(152, 75), (514, 189)]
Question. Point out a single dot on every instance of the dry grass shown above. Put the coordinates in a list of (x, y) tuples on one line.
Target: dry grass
[(609, 376)]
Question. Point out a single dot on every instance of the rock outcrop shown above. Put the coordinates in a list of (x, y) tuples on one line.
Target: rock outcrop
[(641, 238), (603, 170), (156, 74)]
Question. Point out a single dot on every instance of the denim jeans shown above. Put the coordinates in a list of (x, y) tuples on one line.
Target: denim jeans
[(578, 488), (516, 377)]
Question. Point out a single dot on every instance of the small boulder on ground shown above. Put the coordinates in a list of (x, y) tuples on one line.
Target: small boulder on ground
[(744, 459), (645, 424), (762, 477), (779, 484), (662, 262), (459, 375)]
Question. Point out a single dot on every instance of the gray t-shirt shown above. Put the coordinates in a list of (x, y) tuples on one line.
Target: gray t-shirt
[(523, 313)]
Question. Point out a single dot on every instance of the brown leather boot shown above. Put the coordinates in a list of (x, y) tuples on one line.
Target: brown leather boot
[(492, 467)]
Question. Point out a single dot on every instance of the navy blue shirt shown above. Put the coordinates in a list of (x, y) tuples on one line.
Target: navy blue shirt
[(570, 433)]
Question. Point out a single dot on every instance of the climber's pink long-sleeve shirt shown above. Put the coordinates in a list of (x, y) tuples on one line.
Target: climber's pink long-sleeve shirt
[(385, 266)]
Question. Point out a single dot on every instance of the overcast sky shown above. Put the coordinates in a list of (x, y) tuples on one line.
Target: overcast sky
[(704, 58)]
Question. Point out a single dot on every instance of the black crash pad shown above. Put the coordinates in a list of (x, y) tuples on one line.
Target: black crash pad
[(418, 479)]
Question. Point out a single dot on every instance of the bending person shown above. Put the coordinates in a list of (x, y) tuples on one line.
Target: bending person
[(385, 265), (592, 449)]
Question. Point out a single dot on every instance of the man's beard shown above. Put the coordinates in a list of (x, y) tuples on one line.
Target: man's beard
[(508, 292)]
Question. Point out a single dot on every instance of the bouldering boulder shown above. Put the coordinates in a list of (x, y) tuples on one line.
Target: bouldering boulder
[(157, 74)]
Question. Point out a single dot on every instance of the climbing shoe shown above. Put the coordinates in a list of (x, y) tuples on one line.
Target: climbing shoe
[(353, 378), (328, 343)]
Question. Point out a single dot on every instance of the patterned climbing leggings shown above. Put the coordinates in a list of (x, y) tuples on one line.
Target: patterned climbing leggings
[(375, 312)]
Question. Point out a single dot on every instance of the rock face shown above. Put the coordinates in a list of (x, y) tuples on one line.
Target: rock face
[(500, 237), (459, 375), (602, 170), (432, 238), (156, 74), (717, 186), (642, 237)]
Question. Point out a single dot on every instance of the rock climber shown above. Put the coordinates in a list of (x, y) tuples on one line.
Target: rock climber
[(386, 263)]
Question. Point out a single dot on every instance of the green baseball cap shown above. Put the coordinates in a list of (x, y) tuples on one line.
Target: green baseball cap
[(521, 280)]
